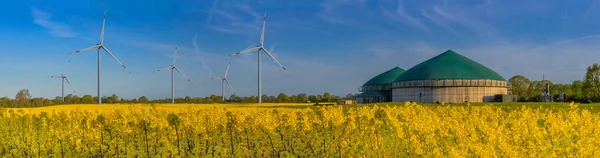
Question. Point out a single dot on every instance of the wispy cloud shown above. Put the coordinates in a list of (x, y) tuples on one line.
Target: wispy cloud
[(43, 19), (204, 65), (403, 16), (454, 19), (484, 3), (329, 8), (438, 21), (223, 17)]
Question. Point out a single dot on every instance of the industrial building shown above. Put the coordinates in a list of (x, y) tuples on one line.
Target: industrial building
[(448, 77), (379, 88)]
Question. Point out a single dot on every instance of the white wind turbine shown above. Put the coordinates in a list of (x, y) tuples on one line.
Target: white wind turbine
[(223, 80), (173, 67), (258, 49), (101, 46), (63, 77)]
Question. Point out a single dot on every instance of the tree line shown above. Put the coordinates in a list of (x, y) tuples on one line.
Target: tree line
[(24, 99), (586, 91)]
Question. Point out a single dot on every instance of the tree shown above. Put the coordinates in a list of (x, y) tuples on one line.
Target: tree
[(327, 97), (76, 100), (188, 99), (69, 99), (591, 84), (283, 98), (519, 85), (37, 102), (57, 100), (535, 88), (302, 98), (312, 98), (577, 89), (88, 99), (4, 101), (142, 99), (265, 98), (293, 99), (113, 99), (349, 96), (104, 99), (23, 98)]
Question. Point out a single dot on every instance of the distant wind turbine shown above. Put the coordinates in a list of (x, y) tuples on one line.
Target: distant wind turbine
[(101, 46), (173, 67), (223, 80), (63, 77), (258, 49)]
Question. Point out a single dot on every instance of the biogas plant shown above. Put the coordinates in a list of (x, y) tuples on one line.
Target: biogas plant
[(448, 77)]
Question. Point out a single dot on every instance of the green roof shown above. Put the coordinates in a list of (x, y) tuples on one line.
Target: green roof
[(449, 65), (385, 78), (369, 94)]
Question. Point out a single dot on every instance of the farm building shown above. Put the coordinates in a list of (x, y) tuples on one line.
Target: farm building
[(448, 77), (379, 88)]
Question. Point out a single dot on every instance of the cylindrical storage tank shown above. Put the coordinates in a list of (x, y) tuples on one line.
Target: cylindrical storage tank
[(448, 77), (381, 85)]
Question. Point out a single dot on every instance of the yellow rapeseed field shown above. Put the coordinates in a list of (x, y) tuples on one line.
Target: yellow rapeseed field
[(168, 107), (238, 130)]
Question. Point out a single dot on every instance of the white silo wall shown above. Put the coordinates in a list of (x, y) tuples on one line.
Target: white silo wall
[(448, 90)]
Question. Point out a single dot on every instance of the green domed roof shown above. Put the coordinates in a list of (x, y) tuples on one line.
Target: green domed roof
[(449, 65), (386, 77), (369, 94)]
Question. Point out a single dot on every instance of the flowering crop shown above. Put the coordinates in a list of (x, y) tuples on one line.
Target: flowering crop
[(403, 130)]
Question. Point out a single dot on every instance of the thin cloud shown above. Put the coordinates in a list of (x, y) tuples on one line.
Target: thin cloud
[(43, 19), (438, 21), (404, 17), (222, 18), (447, 18), (330, 7), (204, 65)]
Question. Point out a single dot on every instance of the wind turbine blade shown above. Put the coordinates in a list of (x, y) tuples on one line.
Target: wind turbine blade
[(102, 33), (262, 35), (218, 78), (175, 55), (55, 76), (245, 51), (163, 69), (182, 74), (272, 57), (86, 49), (67, 70), (70, 84), (113, 56), (227, 70), (230, 87)]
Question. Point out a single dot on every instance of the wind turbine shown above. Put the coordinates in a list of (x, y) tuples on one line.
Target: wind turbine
[(173, 67), (258, 49), (63, 77), (223, 80), (101, 46)]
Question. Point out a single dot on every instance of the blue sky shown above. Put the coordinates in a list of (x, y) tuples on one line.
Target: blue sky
[(329, 46)]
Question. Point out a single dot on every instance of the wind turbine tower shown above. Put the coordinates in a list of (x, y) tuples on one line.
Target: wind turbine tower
[(101, 46), (173, 69), (258, 49), (223, 80), (63, 77)]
